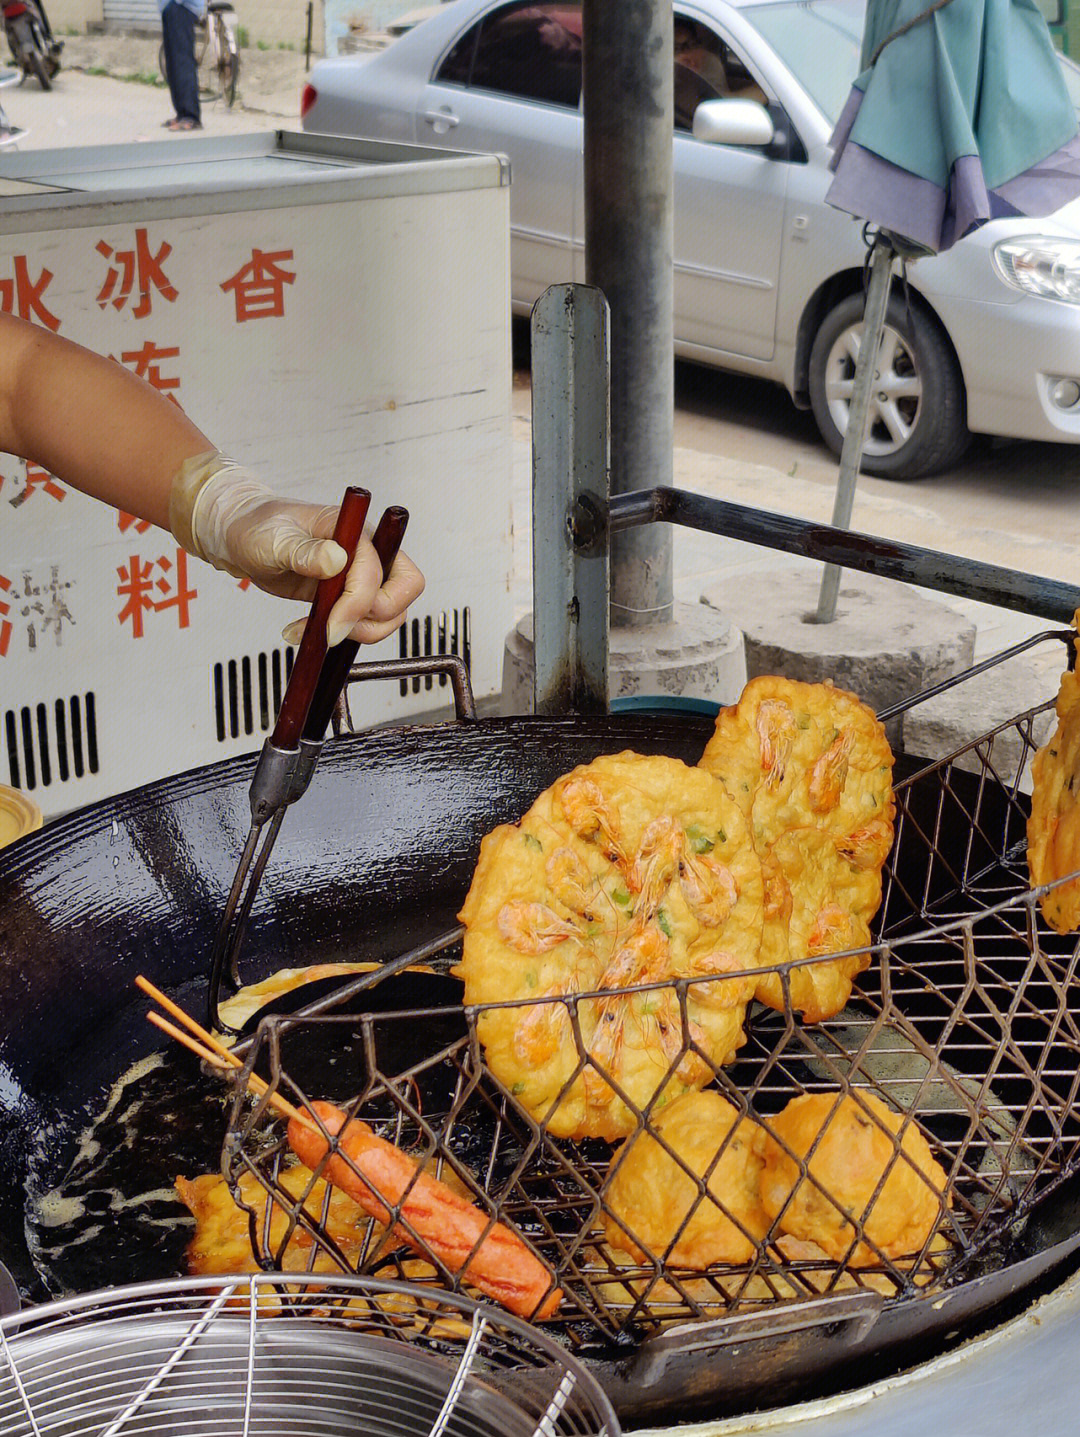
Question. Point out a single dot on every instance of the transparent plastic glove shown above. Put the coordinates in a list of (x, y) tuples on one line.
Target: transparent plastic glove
[(220, 512)]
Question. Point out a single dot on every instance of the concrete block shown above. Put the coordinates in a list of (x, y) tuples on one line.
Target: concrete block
[(1000, 699), (887, 642), (699, 655)]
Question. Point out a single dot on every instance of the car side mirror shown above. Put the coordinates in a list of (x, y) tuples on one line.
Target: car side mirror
[(733, 122)]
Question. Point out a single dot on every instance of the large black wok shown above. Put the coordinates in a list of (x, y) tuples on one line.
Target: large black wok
[(374, 860)]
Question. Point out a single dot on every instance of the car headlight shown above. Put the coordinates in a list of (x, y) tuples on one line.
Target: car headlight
[(1039, 265)]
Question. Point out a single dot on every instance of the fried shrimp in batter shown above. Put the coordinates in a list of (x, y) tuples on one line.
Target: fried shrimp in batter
[(1053, 830), (629, 871), (811, 768), (655, 1208), (798, 755), (816, 902), (854, 1147)]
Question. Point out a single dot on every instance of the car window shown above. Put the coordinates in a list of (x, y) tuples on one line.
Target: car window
[(531, 51), (457, 67), (707, 68)]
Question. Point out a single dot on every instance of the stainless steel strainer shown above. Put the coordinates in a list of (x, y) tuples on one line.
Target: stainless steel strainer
[(270, 1354)]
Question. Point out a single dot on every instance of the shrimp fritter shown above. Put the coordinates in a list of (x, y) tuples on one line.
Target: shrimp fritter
[(1053, 830), (656, 1210), (815, 903), (630, 870), (858, 1144), (811, 769)]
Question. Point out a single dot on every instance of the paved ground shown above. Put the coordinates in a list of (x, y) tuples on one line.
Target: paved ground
[(103, 96)]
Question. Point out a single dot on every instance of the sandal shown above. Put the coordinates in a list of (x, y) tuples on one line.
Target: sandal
[(184, 123)]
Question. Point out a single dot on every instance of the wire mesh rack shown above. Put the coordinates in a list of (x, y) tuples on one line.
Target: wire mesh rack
[(240, 1356), (966, 1023)]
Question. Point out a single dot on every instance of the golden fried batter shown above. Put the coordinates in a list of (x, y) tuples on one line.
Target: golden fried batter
[(629, 870), (811, 768), (858, 1144), (1053, 830), (815, 903), (248, 1000), (623, 1283), (652, 1196), (797, 755), (221, 1242), (795, 1270)]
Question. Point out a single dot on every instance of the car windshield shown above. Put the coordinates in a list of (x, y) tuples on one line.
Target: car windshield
[(820, 42)]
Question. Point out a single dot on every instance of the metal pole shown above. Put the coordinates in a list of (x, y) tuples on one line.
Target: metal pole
[(851, 451), (629, 230), (307, 41)]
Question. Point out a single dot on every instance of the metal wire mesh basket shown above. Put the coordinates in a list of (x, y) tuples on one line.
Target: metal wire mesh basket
[(966, 1022), (240, 1356)]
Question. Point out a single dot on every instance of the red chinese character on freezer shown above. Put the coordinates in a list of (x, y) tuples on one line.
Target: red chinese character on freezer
[(124, 522), (5, 622), (259, 288), (140, 586), (146, 364), (38, 479), (174, 588), (135, 270), (22, 296)]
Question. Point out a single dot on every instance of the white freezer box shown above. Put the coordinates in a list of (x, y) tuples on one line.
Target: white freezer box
[(329, 312)]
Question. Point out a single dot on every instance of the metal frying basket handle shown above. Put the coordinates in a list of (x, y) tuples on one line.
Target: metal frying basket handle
[(843, 1318), (1066, 636), (452, 665)]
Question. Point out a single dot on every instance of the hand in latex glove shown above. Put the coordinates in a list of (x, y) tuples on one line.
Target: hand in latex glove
[(221, 513)]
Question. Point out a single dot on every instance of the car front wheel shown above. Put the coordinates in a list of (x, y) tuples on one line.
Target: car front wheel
[(917, 423)]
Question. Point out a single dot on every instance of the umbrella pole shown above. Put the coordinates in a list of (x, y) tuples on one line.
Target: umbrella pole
[(851, 452)]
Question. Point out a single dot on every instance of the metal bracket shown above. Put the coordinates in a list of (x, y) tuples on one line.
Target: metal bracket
[(452, 665), (571, 460)]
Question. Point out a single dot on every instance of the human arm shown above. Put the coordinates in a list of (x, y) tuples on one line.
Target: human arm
[(96, 426)]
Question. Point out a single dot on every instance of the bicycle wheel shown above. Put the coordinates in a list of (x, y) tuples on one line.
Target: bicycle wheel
[(228, 60), (206, 60)]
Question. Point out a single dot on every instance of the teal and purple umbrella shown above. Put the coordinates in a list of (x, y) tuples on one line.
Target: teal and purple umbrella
[(960, 115)]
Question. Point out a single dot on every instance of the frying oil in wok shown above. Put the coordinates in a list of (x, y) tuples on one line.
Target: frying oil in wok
[(111, 1215), (101, 1206)]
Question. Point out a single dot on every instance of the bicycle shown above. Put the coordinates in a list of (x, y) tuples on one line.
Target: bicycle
[(217, 52)]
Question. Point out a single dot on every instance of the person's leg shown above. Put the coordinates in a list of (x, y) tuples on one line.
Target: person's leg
[(178, 33)]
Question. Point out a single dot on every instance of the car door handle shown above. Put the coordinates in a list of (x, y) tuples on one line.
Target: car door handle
[(441, 120)]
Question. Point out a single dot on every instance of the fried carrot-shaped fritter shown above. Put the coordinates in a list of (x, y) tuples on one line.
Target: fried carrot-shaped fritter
[(446, 1225)]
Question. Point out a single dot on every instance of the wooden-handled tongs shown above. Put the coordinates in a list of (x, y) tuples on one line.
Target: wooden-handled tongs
[(289, 755)]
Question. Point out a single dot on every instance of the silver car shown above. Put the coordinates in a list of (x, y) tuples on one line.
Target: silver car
[(768, 278)]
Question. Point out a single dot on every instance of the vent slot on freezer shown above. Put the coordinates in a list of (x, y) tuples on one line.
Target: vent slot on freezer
[(449, 632), (247, 692), (53, 743)]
